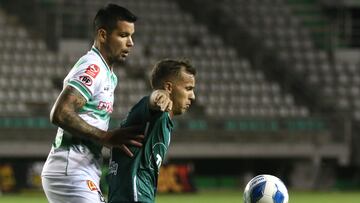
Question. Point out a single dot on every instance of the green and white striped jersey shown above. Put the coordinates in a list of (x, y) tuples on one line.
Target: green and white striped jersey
[(135, 179), (70, 154), (92, 77)]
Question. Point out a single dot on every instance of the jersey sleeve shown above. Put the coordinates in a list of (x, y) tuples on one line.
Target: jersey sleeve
[(86, 78)]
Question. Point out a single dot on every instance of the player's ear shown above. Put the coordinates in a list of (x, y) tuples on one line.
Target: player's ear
[(168, 86), (101, 35)]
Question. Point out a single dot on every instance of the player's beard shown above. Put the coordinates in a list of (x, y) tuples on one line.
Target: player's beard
[(113, 56), (117, 59)]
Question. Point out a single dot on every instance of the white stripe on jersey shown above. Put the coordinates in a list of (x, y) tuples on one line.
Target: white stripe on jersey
[(135, 190)]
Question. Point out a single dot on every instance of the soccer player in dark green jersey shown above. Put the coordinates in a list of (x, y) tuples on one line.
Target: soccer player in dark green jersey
[(135, 179)]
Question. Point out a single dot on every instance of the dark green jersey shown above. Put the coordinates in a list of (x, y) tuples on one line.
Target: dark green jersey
[(135, 179)]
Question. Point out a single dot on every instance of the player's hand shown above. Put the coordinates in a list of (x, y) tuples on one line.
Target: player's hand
[(160, 100), (123, 137)]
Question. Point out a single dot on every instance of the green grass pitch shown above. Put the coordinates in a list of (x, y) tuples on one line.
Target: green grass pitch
[(215, 197)]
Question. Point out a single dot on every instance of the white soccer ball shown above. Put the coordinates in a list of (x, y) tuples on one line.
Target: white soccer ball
[(266, 189)]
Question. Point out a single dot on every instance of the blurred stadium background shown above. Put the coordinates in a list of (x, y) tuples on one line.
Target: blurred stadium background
[(278, 87)]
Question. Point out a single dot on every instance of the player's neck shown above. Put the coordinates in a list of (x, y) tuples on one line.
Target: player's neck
[(103, 55)]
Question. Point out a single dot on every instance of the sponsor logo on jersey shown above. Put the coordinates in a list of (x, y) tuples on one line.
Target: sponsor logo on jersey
[(86, 80), (113, 167), (107, 106), (92, 70), (91, 185)]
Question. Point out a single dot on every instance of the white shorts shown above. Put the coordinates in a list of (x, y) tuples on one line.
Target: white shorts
[(71, 189), (72, 175)]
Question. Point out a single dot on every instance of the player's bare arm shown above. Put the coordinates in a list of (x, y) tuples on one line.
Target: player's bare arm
[(160, 100), (64, 114)]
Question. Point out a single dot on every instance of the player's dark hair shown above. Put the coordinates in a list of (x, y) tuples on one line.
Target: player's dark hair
[(108, 16), (167, 68)]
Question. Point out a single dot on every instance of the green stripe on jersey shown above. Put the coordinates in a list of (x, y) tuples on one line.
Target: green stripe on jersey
[(83, 90), (92, 106), (102, 59)]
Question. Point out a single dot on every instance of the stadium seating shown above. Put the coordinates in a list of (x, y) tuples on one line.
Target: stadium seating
[(26, 70), (227, 84), (286, 33)]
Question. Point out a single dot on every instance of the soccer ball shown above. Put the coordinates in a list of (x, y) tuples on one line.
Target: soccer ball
[(265, 189)]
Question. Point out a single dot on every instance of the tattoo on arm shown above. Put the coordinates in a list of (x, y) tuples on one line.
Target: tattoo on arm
[(65, 115)]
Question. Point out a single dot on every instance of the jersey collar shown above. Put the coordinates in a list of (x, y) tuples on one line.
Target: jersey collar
[(94, 49)]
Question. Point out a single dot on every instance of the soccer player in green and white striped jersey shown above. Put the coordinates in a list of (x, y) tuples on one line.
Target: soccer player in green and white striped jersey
[(82, 112), (135, 179)]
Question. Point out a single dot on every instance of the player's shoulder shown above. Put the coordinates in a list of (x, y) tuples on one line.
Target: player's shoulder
[(89, 59), (91, 64)]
